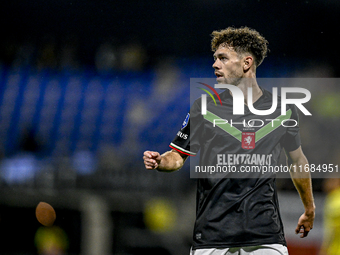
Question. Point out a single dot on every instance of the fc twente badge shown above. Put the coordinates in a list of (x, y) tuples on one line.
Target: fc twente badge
[(248, 140)]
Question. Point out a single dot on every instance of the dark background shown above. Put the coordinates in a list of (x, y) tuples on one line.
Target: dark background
[(304, 30)]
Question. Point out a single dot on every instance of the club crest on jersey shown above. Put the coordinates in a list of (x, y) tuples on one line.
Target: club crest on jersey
[(248, 140), (186, 121)]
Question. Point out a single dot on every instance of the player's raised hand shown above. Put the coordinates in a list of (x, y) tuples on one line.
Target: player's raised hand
[(151, 159)]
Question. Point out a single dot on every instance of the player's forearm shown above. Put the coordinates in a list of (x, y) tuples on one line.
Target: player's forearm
[(304, 187), (302, 180), (171, 161)]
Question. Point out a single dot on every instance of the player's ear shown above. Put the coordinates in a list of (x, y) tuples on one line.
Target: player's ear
[(248, 63)]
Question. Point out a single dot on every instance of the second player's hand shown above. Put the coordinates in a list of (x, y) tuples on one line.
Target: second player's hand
[(151, 159), (305, 224)]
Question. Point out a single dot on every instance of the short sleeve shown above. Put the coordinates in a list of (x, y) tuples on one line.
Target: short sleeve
[(187, 140), (291, 140)]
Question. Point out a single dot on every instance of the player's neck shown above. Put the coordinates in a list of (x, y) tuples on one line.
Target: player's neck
[(250, 83)]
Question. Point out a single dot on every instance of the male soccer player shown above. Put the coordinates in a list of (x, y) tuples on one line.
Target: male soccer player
[(239, 215)]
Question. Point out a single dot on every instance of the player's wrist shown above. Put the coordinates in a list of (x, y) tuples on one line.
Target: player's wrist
[(310, 211)]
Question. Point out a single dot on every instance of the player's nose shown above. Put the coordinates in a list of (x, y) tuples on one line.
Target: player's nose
[(216, 65)]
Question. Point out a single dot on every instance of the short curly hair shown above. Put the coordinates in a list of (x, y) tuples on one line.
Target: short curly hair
[(242, 40)]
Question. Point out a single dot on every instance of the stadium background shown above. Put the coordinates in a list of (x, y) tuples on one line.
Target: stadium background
[(87, 86)]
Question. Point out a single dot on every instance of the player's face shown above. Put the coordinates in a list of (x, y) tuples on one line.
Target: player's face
[(228, 66)]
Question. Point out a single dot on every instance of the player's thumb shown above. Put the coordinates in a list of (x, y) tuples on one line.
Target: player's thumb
[(156, 155), (298, 228)]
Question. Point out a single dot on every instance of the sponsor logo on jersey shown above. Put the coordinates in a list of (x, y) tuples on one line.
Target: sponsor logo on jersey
[(244, 159), (248, 140), (182, 135), (186, 121)]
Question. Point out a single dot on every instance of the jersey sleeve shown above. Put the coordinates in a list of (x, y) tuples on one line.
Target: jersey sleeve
[(187, 140), (291, 140)]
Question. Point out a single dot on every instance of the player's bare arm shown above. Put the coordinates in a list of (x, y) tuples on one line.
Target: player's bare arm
[(302, 181), (167, 162)]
